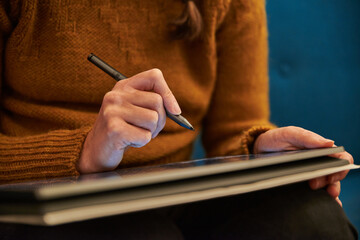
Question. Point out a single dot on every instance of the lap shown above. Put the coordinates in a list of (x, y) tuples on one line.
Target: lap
[(140, 225), (289, 212)]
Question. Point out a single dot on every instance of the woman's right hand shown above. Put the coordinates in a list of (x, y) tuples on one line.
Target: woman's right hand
[(131, 114)]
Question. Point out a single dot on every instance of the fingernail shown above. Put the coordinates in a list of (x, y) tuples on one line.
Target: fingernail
[(329, 140)]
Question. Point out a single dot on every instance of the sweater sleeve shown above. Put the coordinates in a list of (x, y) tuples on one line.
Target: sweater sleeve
[(239, 110), (48, 155)]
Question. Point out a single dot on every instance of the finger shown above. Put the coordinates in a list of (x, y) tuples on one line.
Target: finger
[(134, 115), (339, 201), (319, 182), (123, 134), (334, 189), (302, 138), (290, 138), (147, 100), (337, 176), (343, 155), (153, 80), (340, 175), (153, 101)]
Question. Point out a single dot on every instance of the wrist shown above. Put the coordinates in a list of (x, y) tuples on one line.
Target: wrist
[(83, 164), (250, 138), (97, 157), (255, 147)]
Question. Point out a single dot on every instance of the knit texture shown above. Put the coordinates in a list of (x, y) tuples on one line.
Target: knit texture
[(50, 94)]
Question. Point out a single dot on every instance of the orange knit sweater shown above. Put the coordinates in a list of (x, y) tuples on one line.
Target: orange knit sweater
[(50, 94)]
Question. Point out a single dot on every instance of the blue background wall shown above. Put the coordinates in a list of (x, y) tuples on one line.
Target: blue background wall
[(315, 67), (315, 75)]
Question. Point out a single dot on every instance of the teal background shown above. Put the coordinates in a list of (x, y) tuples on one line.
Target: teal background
[(314, 66)]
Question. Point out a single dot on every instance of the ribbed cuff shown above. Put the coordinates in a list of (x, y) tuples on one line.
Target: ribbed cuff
[(42, 156), (248, 137)]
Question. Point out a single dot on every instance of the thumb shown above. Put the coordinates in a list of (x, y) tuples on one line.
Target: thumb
[(289, 138), (301, 138)]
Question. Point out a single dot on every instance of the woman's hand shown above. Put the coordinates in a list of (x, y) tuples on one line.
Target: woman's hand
[(131, 114), (293, 138)]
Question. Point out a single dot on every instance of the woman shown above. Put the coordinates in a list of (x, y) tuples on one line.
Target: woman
[(61, 116)]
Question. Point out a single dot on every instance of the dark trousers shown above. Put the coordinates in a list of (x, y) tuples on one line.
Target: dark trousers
[(290, 212)]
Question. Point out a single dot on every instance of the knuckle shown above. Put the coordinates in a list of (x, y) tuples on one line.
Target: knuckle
[(154, 117), (155, 73), (107, 114), (158, 102), (163, 123), (144, 139), (152, 121), (121, 84), (114, 127), (111, 113), (112, 97), (108, 97), (147, 137)]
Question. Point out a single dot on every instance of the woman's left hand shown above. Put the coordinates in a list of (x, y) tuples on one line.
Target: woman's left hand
[(294, 138)]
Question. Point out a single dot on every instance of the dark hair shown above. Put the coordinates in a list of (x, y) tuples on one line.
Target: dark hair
[(189, 25)]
